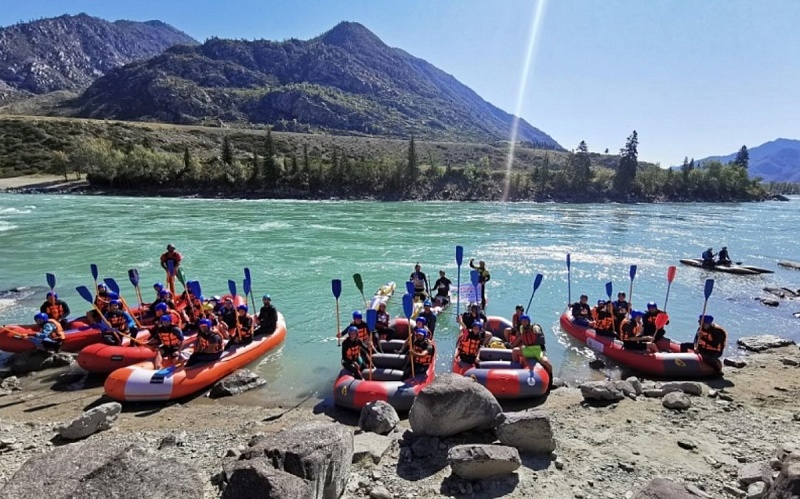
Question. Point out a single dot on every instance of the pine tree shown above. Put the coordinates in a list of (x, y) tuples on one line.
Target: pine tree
[(628, 163), (271, 173), (257, 177), (413, 167), (581, 168), (742, 158), (227, 152), (306, 162), (295, 168)]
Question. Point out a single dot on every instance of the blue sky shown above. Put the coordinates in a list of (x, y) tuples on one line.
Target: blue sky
[(693, 77)]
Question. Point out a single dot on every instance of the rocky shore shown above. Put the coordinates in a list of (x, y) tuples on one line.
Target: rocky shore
[(725, 438)]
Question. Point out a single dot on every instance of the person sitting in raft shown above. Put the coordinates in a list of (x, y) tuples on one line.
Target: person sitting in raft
[(470, 342), (467, 318), (529, 346), (227, 314), (56, 309), (442, 286), (50, 336), (421, 354), (422, 323), (352, 347), (421, 287), (242, 331), (163, 309), (121, 324), (216, 305), (581, 312), (709, 342), (171, 256), (158, 288), (603, 315), (429, 316), (631, 333), (195, 313), (101, 299), (369, 338), (649, 322), (210, 344), (168, 338), (267, 317), (382, 319), (621, 308), (510, 333), (483, 278), (723, 258), (708, 257)]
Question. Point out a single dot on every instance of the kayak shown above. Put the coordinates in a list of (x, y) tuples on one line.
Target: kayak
[(16, 338), (142, 382), (669, 363), (382, 295), (387, 383), (498, 373), (730, 269)]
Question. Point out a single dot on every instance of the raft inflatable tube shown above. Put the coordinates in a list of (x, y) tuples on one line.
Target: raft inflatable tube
[(16, 338), (102, 359), (669, 363), (728, 269), (141, 382), (504, 378), (387, 382), (382, 295)]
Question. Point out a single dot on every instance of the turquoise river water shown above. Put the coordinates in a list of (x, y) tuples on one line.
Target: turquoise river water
[(295, 248)]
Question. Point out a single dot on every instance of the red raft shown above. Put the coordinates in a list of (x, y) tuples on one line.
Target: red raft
[(17, 338), (387, 382), (669, 363), (496, 371)]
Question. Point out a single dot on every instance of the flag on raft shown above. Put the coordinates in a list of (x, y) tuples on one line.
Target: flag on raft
[(468, 293)]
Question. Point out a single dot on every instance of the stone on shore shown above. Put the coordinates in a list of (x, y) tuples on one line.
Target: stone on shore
[(789, 264), (688, 387), (757, 490), (770, 302), (763, 342), (678, 401), (256, 478), (96, 419), (737, 362), (476, 462), (754, 472), (240, 381), (528, 431), (370, 446), (453, 404), (662, 488), (636, 383), (378, 417), (602, 390), (37, 360), (787, 484)]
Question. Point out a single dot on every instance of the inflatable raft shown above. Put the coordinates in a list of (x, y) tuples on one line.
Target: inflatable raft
[(141, 382), (730, 269), (669, 363), (387, 382), (382, 295), (17, 338), (496, 371)]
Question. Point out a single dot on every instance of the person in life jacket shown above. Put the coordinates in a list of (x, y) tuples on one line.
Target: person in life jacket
[(723, 258), (162, 309), (483, 278), (621, 309), (168, 338), (382, 319), (421, 287), (121, 322), (421, 354), (171, 256), (442, 287), (50, 336), (352, 348), (422, 323), (195, 313), (708, 257), (101, 299), (227, 314), (470, 342), (210, 344), (242, 331), (56, 308), (710, 341), (369, 338), (267, 317), (429, 316), (649, 322), (603, 315), (529, 347), (510, 333), (581, 312), (631, 333), (474, 313), (158, 288)]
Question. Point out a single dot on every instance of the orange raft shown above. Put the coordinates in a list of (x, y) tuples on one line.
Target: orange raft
[(17, 338), (141, 382)]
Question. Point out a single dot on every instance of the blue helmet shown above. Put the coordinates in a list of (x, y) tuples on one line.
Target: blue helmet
[(158, 286), (51, 293), (115, 302), (421, 331), (478, 323), (652, 304), (163, 293), (600, 303), (707, 319), (266, 297), (166, 318), (242, 307), (352, 329), (161, 306), (427, 303), (357, 314), (113, 296), (204, 322), (41, 317), (636, 313), (524, 317), (422, 320)]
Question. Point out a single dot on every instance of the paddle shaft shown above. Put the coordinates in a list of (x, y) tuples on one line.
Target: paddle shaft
[(410, 348), (338, 325), (108, 324), (666, 298)]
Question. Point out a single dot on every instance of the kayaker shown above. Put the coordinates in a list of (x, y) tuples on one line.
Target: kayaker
[(168, 338), (442, 286), (723, 258), (508, 332), (121, 322), (56, 309), (242, 331), (210, 344), (581, 312), (171, 256), (101, 299), (421, 287), (529, 347), (352, 347), (429, 316), (382, 319), (267, 317), (708, 257), (50, 336), (469, 344), (709, 342), (649, 322), (621, 309), (603, 315), (474, 313), (367, 338), (631, 333), (421, 354), (483, 278)]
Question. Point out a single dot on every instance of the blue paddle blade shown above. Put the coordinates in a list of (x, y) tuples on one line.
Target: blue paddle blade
[(133, 275), (408, 305), (165, 372), (195, 289), (410, 288), (85, 293), (372, 318), (336, 287), (537, 282), (568, 261), (171, 267), (474, 277), (246, 286), (232, 287), (709, 288), (633, 272), (609, 289), (112, 284), (51, 280), (247, 274), (459, 255), (95, 273)]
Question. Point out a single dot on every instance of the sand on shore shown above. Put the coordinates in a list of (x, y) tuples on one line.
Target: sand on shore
[(40, 181)]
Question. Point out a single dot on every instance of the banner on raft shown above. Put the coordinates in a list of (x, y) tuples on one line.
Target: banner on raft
[(468, 293)]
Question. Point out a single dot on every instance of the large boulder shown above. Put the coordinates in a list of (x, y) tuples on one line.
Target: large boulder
[(476, 462), (763, 342), (787, 485), (240, 381), (370, 446), (677, 401), (319, 452), (453, 404), (378, 417), (96, 419), (662, 488), (602, 390), (256, 479), (98, 470), (529, 431), (688, 387), (754, 472)]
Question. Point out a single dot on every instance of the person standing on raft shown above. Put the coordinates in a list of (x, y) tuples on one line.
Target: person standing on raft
[(709, 342), (171, 256), (442, 286), (483, 278), (421, 287)]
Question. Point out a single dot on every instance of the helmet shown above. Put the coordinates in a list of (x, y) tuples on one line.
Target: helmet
[(421, 331), (524, 317), (427, 303), (600, 303), (652, 304), (100, 285), (158, 286), (163, 293), (242, 307), (54, 295), (475, 306), (519, 307), (170, 246), (636, 313), (216, 298), (113, 296), (478, 323), (266, 297), (422, 320), (166, 318), (724, 247), (204, 322), (41, 317), (707, 319), (161, 306), (357, 314), (352, 329), (115, 302)]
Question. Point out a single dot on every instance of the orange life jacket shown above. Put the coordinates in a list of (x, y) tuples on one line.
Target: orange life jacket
[(353, 352), (705, 340), (54, 310), (470, 346), (529, 338), (604, 321), (205, 346), (168, 337), (58, 333), (101, 303), (424, 359), (629, 330), (363, 331), (196, 313)]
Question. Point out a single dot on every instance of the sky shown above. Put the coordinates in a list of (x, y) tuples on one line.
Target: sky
[(693, 77)]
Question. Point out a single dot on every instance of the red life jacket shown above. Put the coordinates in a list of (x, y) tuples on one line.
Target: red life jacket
[(470, 345), (629, 330), (426, 358), (54, 310), (205, 346)]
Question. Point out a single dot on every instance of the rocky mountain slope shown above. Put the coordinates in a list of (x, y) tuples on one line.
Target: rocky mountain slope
[(775, 161)]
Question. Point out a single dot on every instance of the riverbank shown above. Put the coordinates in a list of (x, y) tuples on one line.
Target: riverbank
[(602, 451), (43, 183)]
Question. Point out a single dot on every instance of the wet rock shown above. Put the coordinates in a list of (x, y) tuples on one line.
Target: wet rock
[(787, 484), (737, 362), (239, 381), (370, 446), (662, 488), (678, 401), (597, 364), (453, 404), (378, 417), (601, 390), (476, 462), (756, 490), (424, 446), (96, 419), (688, 387), (770, 302), (763, 342), (754, 472), (786, 361), (528, 431), (256, 478)]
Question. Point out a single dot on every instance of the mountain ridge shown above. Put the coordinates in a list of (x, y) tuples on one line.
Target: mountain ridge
[(774, 161)]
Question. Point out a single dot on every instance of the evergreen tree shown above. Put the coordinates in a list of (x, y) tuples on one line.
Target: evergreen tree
[(271, 172), (306, 162), (581, 174), (257, 177), (628, 163), (413, 167), (227, 152), (742, 158), (295, 168), (187, 159)]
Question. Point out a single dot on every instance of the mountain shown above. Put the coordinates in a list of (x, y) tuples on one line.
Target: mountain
[(776, 161), (70, 52), (345, 81)]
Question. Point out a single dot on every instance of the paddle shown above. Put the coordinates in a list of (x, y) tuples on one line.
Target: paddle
[(232, 289), (360, 286), (569, 282), (113, 286), (247, 291), (372, 319), (661, 320), (196, 289), (249, 279), (475, 278), (630, 291), (670, 277), (410, 289), (95, 273), (51, 281), (609, 291), (87, 295), (171, 276), (408, 309), (336, 287), (536, 282), (709, 287), (133, 276), (459, 260)]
